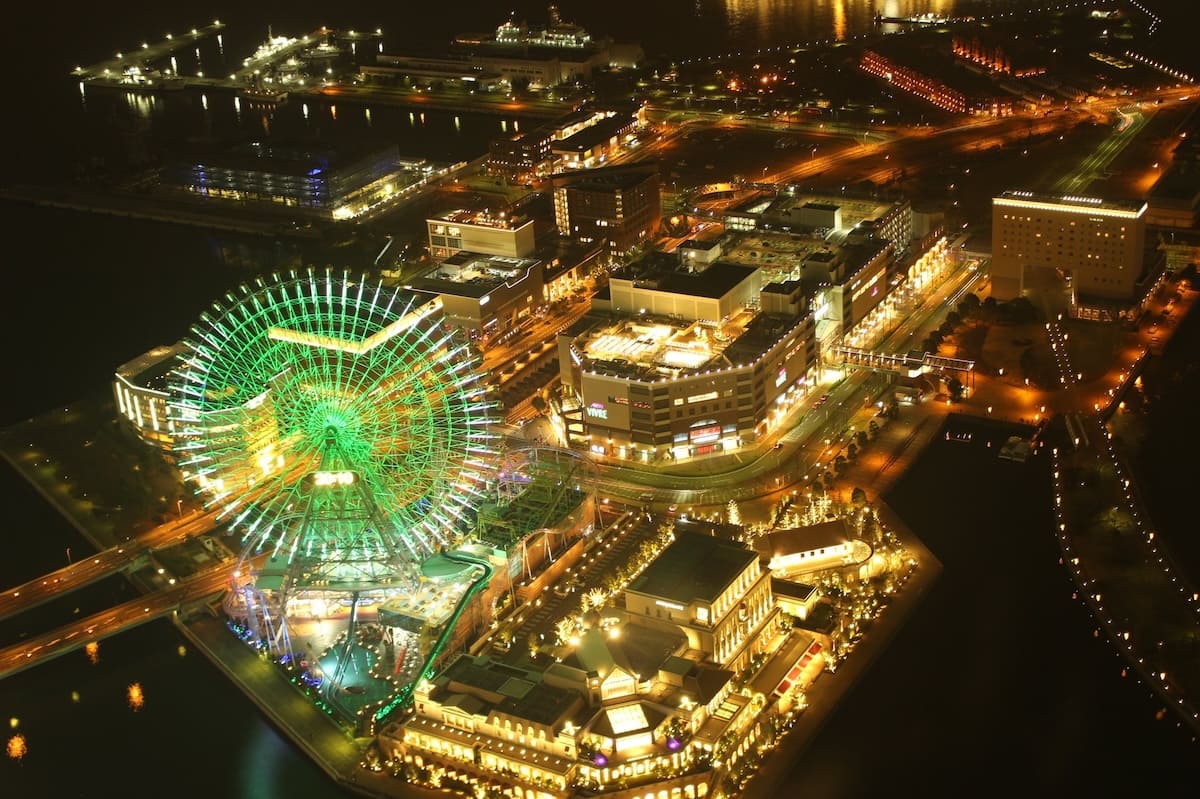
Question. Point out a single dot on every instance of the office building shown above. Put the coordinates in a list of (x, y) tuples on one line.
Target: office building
[(620, 206), (500, 233), (1095, 247)]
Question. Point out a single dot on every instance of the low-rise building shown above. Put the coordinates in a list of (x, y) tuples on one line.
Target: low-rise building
[(140, 390), (835, 218), (595, 144), (714, 590), (483, 232), (700, 250), (674, 364), (806, 549), (527, 155), (925, 73), (315, 179), (486, 295)]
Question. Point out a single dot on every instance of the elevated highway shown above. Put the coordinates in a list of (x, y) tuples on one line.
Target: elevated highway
[(198, 588), (84, 572)]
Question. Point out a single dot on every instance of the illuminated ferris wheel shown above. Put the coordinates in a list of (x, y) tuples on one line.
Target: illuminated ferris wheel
[(337, 424)]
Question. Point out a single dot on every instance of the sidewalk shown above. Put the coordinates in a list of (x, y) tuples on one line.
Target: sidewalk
[(828, 691), (898, 443)]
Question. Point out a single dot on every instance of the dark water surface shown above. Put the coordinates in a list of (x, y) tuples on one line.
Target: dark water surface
[(995, 684)]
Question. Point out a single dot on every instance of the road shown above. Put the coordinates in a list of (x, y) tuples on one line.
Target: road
[(103, 564), (69, 637)]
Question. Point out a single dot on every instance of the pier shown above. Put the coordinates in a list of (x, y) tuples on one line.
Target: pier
[(143, 58)]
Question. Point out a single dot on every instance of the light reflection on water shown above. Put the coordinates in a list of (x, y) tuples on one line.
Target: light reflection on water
[(763, 22)]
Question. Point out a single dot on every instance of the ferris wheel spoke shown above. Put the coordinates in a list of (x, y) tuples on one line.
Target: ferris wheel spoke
[(336, 424)]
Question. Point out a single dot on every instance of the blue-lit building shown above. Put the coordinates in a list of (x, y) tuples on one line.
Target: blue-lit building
[(318, 179)]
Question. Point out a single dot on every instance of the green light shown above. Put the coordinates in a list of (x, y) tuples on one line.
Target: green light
[(322, 372)]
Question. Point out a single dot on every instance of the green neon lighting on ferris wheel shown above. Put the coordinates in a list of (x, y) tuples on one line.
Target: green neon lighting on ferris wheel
[(326, 371)]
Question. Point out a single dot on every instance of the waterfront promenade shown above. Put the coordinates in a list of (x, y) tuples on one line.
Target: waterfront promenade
[(830, 689)]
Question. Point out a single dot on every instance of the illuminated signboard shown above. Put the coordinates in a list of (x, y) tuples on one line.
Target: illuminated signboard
[(597, 410), (781, 378), (333, 478)]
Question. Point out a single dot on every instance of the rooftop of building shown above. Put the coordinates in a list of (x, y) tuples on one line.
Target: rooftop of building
[(763, 332), (649, 347), (152, 369), (702, 242), (297, 157), (471, 274), (781, 543), (1050, 202), (638, 650), (799, 592), (506, 689), (855, 208), (498, 220), (1179, 185), (694, 567), (930, 54), (783, 257), (662, 272), (560, 255), (606, 178), (595, 134)]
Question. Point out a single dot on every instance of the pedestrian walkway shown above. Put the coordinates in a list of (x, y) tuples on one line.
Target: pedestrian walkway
[(893, 449)]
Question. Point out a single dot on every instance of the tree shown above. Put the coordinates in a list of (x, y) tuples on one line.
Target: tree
[(862, 438), (955, 388), (852, 451), (858, 496), (732, 513), (873, 428), (954, 319)]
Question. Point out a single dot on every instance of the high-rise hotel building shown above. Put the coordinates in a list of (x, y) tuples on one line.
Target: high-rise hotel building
[(1098, 244)]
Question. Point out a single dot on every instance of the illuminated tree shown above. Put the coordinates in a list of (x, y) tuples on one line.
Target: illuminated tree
[(17, 748), (732, 513)]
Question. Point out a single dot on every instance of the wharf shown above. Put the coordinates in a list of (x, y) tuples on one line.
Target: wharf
[(144, 56), (154, 208)]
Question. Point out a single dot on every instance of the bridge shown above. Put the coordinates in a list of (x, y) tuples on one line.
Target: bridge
[(907, 364), (200, 587), (69, 578), (131, 555)]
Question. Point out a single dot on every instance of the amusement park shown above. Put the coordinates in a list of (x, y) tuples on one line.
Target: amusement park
[(344, 433)]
